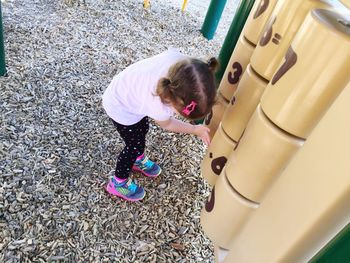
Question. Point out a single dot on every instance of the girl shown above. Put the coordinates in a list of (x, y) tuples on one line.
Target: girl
[(156, 88)]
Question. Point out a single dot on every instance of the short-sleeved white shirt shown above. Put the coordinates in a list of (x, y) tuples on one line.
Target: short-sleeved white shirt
[(132, 93)]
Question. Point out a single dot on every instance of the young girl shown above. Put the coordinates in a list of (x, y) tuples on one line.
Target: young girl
[(156, 88)]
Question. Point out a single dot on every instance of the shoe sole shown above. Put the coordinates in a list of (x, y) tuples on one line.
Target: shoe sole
[(135, 168), (122, 196)]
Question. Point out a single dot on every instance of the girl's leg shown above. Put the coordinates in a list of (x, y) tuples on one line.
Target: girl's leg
[(134, 137)]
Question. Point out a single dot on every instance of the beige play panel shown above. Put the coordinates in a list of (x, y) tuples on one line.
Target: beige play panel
[(309, 204), (213, 119), (261, 155), (257, 19), (315, 70), (243, 104), (224, 213), (216, 156), (279, 31), (235, 68)]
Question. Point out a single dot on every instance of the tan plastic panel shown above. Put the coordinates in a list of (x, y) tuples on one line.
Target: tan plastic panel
[(309, 203), (263, 152), (219, 254), (213, 119), (314, 72), (221, 221), (216, 156), (243, 104), (236, 67), (346, 3), (257, 19), (279, 31)]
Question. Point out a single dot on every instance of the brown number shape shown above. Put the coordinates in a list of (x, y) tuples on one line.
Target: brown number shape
[(290, 60), (233, 100), (233, 78), (266, 37), (218, 164), (239, 140), (264, 4), (209, 205)]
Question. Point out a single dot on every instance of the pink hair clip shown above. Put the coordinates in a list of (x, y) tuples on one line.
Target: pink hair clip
[(189, 108)]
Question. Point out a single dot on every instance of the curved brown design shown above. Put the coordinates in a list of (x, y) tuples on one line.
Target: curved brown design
[(218, 164), (209, 205), (233, 100), (208, 118), (239, 140), (290, 60), (264, 4), (233, 78), (276, 39), (266, 37)]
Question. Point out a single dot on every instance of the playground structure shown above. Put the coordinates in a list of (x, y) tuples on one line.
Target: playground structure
[(147, 4), (304, 204), (277, 118)]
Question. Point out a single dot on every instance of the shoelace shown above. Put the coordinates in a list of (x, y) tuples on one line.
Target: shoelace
[(147, 163), (131, 185)]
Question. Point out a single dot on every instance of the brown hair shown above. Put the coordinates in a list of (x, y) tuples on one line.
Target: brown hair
[(190, 80)]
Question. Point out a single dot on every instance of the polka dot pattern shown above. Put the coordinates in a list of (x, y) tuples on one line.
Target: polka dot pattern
[(134, 137)]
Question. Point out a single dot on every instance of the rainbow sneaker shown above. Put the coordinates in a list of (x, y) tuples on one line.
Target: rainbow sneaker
[(146, 166), (127, 190)]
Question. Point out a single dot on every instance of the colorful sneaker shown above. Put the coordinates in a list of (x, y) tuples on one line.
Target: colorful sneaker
[(127, 190), (147, 167)]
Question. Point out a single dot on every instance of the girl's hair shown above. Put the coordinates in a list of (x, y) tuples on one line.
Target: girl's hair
[(190, 84)]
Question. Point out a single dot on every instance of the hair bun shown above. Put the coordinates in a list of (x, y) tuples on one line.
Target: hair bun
[(213, 64), (166, 82)]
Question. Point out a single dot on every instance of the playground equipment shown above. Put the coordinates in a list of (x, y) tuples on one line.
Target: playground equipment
[(247, 93), (212, 120), (248, 40), (238, 62), (283, 107), (233, 34), (147, 4), (212, 18), (308, 205), (184, 4), (2, 48)]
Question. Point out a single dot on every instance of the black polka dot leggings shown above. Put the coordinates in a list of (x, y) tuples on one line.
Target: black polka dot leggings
[(134, 137)]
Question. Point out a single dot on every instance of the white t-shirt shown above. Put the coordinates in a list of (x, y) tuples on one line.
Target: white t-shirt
[(132, 93)]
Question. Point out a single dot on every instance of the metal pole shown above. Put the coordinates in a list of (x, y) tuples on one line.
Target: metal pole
[(212, 18), (2, 48), (232, 36)]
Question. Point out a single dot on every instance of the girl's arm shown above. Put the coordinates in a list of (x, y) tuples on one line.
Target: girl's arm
[(175, 125)]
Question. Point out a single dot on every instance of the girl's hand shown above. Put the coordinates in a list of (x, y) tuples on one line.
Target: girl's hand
[(175, 125), (203, 133)]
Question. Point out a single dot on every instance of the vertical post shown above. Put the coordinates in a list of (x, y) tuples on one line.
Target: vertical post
[(336, 250), (146, 4), (184, 5), (232, 36), (212, 18), (2, 49)]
